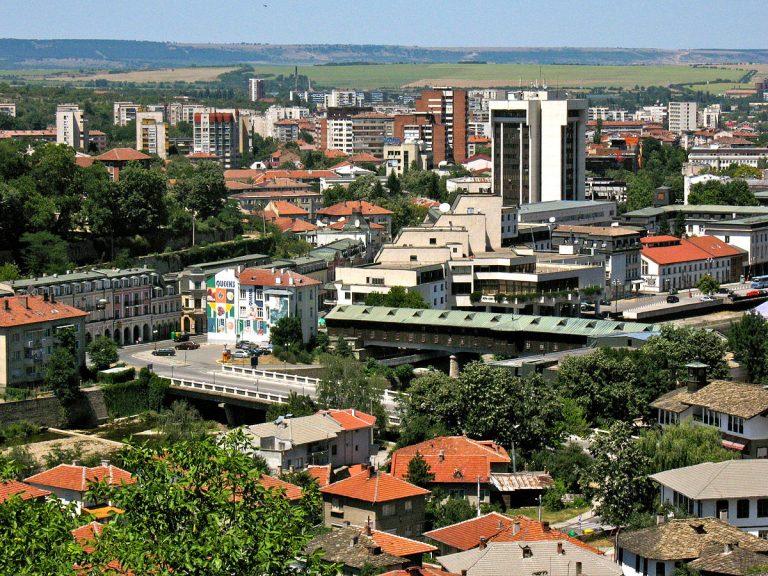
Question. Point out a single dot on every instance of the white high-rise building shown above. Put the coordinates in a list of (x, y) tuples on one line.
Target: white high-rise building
[(124, 112), (709, 117), (341, 98), (538, 148), (217, 133), (71, 126), (256, 89), (150, 133), (682, 117), (656, 114)]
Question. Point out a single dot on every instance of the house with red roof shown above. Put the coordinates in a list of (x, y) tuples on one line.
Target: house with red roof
[(70, 483), (342, 211), (495, 527), (11, 488), (679, 264), (283, 208), (334, 438), (389, 503), (458, 464), (118, 158), (245, 304)]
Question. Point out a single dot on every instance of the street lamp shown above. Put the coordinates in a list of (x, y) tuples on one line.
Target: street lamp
[(615, 283), (552, 221), (154, 336)]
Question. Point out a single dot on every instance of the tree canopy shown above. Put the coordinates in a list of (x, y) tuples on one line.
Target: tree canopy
[(396, 297)]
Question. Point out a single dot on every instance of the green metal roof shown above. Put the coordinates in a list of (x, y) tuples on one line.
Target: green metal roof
[(697, 208), (489, 320), (560, 205)]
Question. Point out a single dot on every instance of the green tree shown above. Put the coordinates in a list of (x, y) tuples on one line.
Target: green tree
[(667, 354), (733, 193), (175, 511), (432, 408), (142, 194), (204, 190), (365, 187), (297, 405), (393, 184), (419, 472), (9, 271), (13, 217), (640, 190), (707, 284), (103, 352), (287, 332), (182, 422), (62, 376), (619, 475), (335, 194), (345, 385), (682, 445), (44, 253), (396, 297), (748, 340), (567, 463), (450, 511)]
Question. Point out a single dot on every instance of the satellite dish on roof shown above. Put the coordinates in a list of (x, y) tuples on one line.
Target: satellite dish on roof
[(445, 208)]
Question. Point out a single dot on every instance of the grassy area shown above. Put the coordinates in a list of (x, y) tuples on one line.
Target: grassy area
[(546, 515), (417, 75), (720, 87)]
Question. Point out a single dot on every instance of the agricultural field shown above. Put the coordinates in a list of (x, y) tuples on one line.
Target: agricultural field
[(196, 74)]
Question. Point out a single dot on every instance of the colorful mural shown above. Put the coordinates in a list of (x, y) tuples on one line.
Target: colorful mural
[(220, 310)]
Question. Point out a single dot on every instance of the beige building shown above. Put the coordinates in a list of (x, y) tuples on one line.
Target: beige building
[(150, 134), (399, 157), (683, 117), (71, 126), (28, 329), (354, 284), (123, 113)]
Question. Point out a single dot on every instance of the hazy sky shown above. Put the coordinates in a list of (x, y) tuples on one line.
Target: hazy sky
[(611, 23)]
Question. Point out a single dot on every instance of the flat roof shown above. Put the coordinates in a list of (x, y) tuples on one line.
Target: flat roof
[(498, 322), (698, 208), (561, 205)]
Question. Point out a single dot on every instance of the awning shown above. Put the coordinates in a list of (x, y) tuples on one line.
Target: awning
[(733, 445)]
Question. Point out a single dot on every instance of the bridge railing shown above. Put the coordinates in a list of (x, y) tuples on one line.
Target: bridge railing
[(229, 389), (269, 375)]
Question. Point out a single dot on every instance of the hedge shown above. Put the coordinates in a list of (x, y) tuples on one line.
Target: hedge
[(180, 259), (116, 377), (134, 397)]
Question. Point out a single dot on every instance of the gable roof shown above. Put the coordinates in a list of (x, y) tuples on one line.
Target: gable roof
[(452, 459), (347, 207), (321, 474), (87, 533), (274, 277), (351, 419), (297, 431), (374, 487), (18, 310), (294, 225), (712, 480), (11, 488), (714, 246), (737, 398), (399, 545), (122, 155), (77, 478), (291, 491), (686, 539), (285, 208), (420, 571), (352, 547)]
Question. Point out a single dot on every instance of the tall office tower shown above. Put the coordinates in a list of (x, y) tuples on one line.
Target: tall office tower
[(217, 133), (256, 89), (682, 117), (71, 126), (538, 148), (150, 133), (449, 107)]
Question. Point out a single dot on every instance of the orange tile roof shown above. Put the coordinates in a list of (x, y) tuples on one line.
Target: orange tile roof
[(452, 459), (419, 571), (84, 161), (659, 238), (237, 185), (301, 175), (24, 491), (399, 546), (495, 527), (266, 277), (691, 250), (18, 310), (333, 153), (347, 207), (122, 155), (284, 208), (244, 174), (364, 157), (478, 139), (292, 492), (77, 478), (714, 246), (87, 533), (322, 474), (293, 225), (374, 487), (351, 419), (342, 223)]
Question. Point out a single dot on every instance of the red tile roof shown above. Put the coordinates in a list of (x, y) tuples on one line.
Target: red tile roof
[(84, 161), (24, 491), (244, 174), (322, 474), (364, 157), (714, 246), (266, 277), (87, 533), (452, 459), (478, 157), (495, 527), (659, 238), (284, 208), (374, 487), (351, 419), (122, 155), (347, 207), (216, 116), (333, 153), (293, 225), (292, 492), (237, 185), (18, 310), (77, 478), (691, 250), (479, 139), (399, 546)]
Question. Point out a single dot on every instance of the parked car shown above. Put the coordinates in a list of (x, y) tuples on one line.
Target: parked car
[(707, 298), (164, 352), (241, 354), (753, 293), (188, 345), (244, 345), (672, 299), (179, 336)]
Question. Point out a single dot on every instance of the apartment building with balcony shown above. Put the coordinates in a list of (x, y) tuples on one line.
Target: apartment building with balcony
[(217, 133), (129, 306), (28, 328), (71, 126), (150, 133)]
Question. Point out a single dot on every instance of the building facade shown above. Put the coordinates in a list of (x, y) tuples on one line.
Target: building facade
[(683, 117), (256, 89), (449, 106), (71, 126), (217, 133), (150, 133)]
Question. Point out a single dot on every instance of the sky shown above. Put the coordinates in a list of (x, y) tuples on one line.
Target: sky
[(487, 23)]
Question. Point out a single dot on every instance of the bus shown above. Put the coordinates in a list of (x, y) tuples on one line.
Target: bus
[(759, 282)]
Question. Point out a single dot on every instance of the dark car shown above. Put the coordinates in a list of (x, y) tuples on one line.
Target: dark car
[(188, 345), (672, 299), (164, 352)]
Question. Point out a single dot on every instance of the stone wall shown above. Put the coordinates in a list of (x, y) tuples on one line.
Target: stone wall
[(48, 411)]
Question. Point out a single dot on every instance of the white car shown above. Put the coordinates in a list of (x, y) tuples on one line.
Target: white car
[(241, 354), (707, 298)]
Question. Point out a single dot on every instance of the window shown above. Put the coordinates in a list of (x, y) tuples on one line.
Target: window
[(408, 505), (742, 508), (334, 449), (388, 509), (659, 568), (735, 424), (645, 566), (710, 417)]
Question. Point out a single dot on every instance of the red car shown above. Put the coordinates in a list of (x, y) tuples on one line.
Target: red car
[(754, 293)]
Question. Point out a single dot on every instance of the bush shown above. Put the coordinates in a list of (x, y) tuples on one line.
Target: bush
[(116, 377), (134, 397), (553, 497)]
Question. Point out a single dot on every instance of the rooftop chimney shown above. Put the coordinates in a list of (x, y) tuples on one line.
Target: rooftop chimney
[(7, 304), (578, 568), (545, 526), (727, 548), (441, 455), (697, 376), (560, 549), (367, 527), (483, 543), (660, 519), (515, 528), (45, 296), (26, 302)]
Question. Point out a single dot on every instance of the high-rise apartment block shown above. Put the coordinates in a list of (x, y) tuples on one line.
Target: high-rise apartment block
[(355, 131), (124, 112), (538, 148), (71, 126), (450, 108), (150, 133), (342, 98), (423, 127), (256, 89), (217, 133), (682, 117)]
